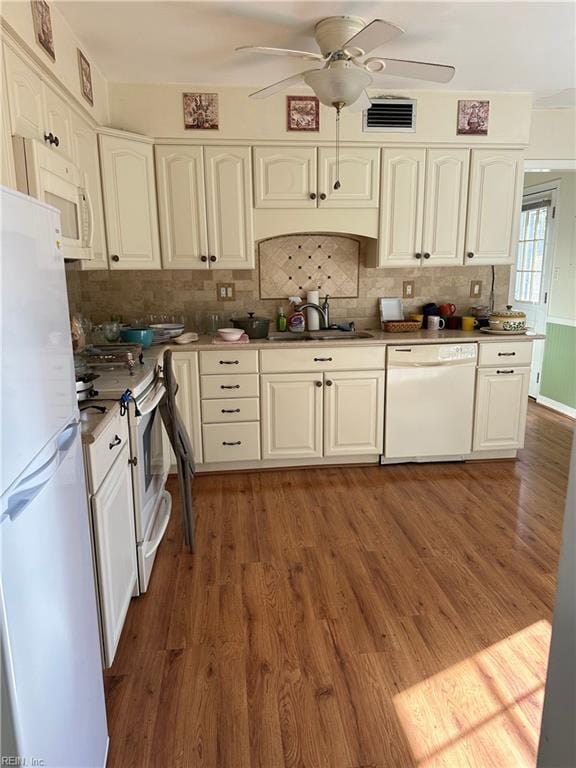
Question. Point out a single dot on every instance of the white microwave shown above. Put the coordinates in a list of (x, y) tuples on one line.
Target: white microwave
[(43, 173)]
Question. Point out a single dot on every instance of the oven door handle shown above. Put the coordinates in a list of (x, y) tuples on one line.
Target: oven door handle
[(153, 545), (146, 407)]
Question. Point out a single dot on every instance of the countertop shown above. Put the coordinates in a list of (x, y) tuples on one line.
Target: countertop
[(93, 422), (379, 338)]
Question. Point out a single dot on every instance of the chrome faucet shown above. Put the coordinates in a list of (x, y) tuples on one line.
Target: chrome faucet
[(323, 311)]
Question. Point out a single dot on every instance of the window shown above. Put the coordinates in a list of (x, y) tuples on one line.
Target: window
[(530, 260)]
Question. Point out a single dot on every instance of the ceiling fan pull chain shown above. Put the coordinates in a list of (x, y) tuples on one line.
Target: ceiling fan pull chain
[(337, 182)]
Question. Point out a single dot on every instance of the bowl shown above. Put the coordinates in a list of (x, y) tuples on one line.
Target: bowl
[(231, 334), (173, 329), (143, 336)]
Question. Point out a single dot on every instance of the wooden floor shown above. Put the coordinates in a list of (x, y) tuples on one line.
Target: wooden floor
[(342, 618)]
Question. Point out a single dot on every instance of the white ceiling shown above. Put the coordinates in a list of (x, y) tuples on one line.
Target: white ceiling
[(495, 46)]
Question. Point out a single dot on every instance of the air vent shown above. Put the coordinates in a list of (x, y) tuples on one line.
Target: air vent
[(391, 116)]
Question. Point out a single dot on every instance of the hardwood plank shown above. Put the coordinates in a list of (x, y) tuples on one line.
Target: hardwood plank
[(350, 617)]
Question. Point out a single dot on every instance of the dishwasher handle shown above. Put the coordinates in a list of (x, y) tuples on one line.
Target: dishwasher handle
[(435, 364)]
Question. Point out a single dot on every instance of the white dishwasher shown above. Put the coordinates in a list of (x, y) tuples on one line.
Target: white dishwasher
[(429, 400)]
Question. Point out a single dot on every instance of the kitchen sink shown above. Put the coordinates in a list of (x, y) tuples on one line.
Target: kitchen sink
[(326, 335)]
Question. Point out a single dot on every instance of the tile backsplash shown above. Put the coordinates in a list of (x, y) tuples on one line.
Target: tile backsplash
[(192, 293)]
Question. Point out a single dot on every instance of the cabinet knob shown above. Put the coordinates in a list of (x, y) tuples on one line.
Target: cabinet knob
[(117, 440), (323, 196), (417, 255), (56, 141), (329, 383), (312, 195), (318, 383), (212, 258), (426, 255), (49, 137), (470, 255), (203, 258), (115, 257)]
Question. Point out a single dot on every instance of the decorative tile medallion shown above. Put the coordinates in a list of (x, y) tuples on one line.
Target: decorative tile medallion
[(294, 264)]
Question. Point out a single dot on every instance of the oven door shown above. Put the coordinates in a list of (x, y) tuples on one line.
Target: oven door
[(149, 462)]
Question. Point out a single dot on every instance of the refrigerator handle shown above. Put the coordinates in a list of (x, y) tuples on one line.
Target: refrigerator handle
[(30, 486)]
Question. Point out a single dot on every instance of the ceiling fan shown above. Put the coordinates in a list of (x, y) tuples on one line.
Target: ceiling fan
[(344, 42)]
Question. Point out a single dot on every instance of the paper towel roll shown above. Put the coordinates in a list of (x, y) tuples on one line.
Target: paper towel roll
[(312, 316)]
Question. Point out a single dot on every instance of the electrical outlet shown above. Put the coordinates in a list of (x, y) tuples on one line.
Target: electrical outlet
[(225, 292), (408, 289), (475, 289)]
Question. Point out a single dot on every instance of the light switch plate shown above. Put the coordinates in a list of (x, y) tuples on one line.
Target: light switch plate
[(225, 291), (408, 289), (475, 289)]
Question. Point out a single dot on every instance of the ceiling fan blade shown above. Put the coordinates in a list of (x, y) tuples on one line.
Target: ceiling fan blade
[(375, 34), (281, 52), (417, 70), (361, 104), (281, 85)]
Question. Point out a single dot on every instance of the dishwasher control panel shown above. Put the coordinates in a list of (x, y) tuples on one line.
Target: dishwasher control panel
[(429, 353)]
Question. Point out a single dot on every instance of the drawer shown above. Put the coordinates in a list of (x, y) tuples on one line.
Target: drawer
[(506, 352), (233, 360), (102, 453), (231, 442), (247, 409), (244, 385), (322, 359)]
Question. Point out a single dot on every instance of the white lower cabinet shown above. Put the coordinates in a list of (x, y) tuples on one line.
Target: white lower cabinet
[(353, 413), (501, 405), (115, 551), (185, 365), (291, 415)]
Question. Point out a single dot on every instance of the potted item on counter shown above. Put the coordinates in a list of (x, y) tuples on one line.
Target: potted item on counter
[(508, 319), (254, 327)]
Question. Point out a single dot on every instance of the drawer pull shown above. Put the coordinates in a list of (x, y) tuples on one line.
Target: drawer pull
[(504, 371), (322, 359), (229, 386), (230, 410), (229, 362), (506, 354), (238, 442), (114, 442)]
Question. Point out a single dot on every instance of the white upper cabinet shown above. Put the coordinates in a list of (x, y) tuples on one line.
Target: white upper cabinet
[(85, 155), (285, 177), (129, 190), (58, 122), (228, 174), (445, 207), (353, 413), (401, 207), (358, 173), (26, 96), (182, 206), (496, 177), (7, 169)]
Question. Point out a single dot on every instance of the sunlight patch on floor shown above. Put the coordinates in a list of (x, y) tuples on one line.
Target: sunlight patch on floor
[(484, 711)]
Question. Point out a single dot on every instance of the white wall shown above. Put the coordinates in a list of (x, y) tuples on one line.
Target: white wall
[(19, 17), (563, 287), (553, 135), (156, 110)]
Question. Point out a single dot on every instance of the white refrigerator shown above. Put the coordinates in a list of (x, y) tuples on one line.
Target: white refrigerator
[(53, 706)]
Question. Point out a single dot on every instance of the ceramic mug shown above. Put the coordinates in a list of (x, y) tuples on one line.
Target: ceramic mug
[(435, 323), (417, 318), (469, 323), (454, 322), (447, 309)]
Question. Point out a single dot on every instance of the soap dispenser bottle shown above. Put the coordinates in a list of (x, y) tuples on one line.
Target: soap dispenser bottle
[(281, 320), (296, 321)]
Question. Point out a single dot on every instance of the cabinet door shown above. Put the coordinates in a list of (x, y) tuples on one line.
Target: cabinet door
[(182, 207), (359, 176), (188, 398), (401, 207), (26, 97), (445, 207), (228, 175), (291, 418), (353, 413), (501, 404), (85, 155), (58, 121), (115, 546), (7, 169), (285, 177), (494, 201), (129, 191)]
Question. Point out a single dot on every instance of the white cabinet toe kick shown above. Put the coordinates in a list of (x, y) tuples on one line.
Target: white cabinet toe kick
[(326, 405)]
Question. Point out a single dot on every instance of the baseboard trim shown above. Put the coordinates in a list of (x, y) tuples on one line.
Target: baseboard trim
[(554, 405)]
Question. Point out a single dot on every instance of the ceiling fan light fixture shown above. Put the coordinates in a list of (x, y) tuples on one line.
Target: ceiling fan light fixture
[(338, 85)]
